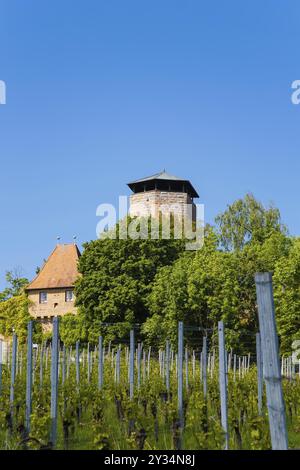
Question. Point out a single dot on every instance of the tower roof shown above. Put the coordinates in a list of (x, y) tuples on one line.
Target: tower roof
[(163, 177), (60, 269)]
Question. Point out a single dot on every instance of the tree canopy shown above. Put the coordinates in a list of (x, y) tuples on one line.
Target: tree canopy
[(155, 283), (247, 220), (14, 312), (152, 284), (287, 296), (16, 284), (117, 277)]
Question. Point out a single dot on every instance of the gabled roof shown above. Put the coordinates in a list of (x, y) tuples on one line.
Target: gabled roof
[(160, 178), (60, 269)]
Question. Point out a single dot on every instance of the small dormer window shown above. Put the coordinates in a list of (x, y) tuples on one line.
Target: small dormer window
[(43, 297), (69, 296)]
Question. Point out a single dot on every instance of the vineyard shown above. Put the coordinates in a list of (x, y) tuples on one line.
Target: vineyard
[(192, 395)]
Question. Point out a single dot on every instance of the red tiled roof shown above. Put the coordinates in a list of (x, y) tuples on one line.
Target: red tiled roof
[(60, 269)]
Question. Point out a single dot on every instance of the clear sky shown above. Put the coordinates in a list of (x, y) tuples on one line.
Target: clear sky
[(102, 92)]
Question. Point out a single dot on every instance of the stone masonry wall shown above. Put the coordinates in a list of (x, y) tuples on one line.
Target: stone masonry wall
[(55, 306), (152, 202)]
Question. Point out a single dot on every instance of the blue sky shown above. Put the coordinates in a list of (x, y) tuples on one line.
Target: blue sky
[(100, 93)]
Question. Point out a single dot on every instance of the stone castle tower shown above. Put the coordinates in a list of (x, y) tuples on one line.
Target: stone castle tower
[(162, 192)]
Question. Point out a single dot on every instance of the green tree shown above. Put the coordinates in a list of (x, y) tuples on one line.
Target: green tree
[(211, 285), (16, 284), (247, 220), (116, 279), (71, 329), (168, 301), (254, 257), (14, 316), (287, 297), (199, 289)]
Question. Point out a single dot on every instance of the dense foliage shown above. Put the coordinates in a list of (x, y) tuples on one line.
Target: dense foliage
[(117, 277), (247, 220), (14, 309), (155, 283), (14, 314)]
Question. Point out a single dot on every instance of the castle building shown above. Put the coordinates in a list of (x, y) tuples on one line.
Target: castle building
[(52, 291), (162, 193)]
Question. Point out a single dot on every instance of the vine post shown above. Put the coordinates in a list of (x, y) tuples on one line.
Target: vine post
[(28, 378), (54, 381), (131, 365), (223, 382), (77, 359), (180, 374), (41, 365), (271, 361), (168, 365), (139, 352), (88, 363), (13, 372), (69, 361), (186, 356), (100, 362), (204, 366), (144, 365), (64, 364), (148, 362), (118, 360)]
